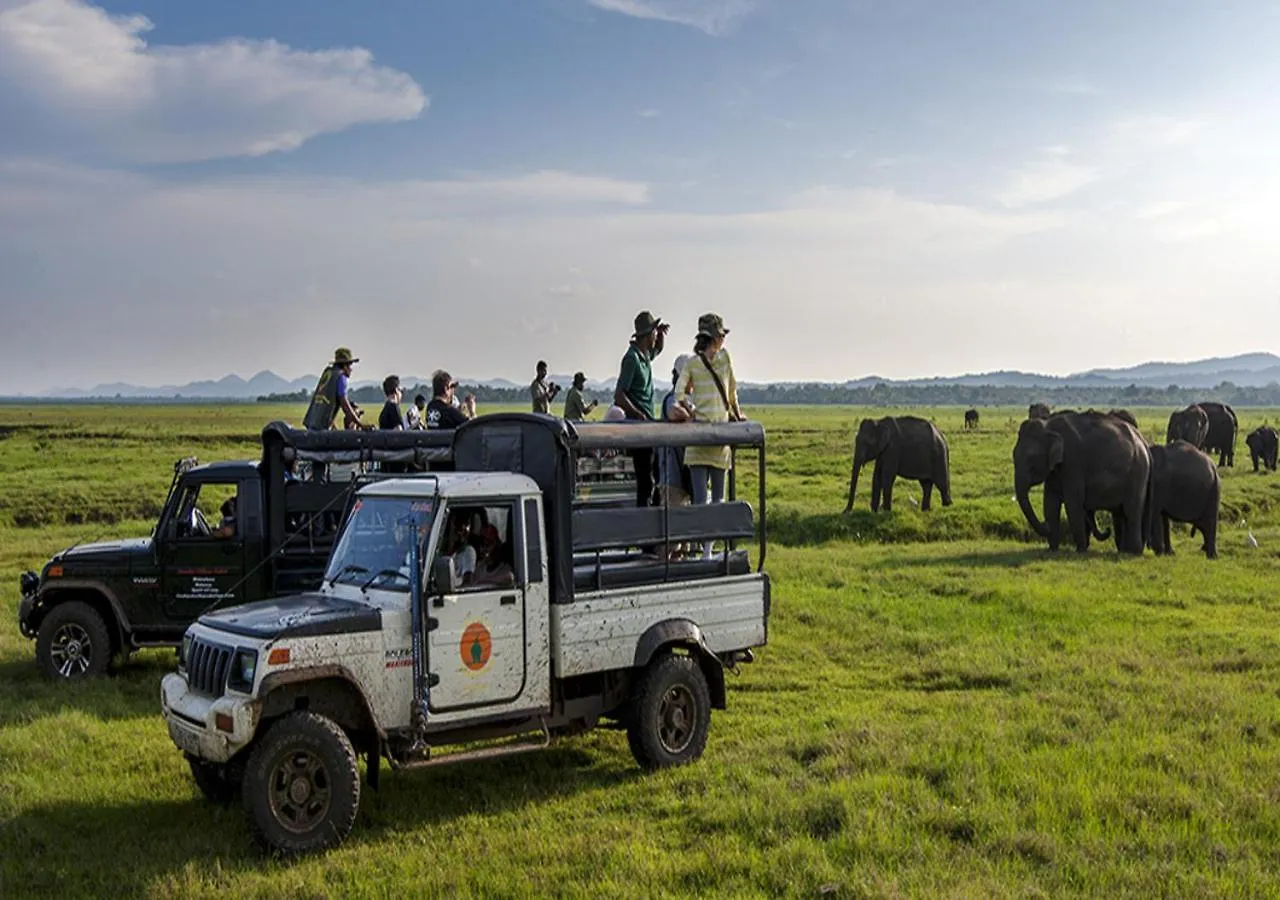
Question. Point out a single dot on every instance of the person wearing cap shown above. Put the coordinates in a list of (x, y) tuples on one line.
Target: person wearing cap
[(634, 392), (576, 407), (541, 392), (441, 413), (330, 394), (707, 383)]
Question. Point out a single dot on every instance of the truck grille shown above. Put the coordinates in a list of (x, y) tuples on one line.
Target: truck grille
[(207, 667)]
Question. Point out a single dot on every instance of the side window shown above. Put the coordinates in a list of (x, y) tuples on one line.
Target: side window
[(206, 511), (480, 539), (533, 542)]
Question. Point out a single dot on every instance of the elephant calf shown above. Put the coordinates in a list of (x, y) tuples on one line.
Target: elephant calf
[(902, 447), (1262, 444), (1184, 488)]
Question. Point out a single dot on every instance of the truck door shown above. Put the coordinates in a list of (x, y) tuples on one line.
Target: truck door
[(202, 550), (477, 645)]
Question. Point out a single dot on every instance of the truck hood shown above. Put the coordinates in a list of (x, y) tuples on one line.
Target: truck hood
[(302, 615), (124, 548)]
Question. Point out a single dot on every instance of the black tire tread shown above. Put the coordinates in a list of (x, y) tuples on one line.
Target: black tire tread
[(91, 621), (325, 737), (642, 736)]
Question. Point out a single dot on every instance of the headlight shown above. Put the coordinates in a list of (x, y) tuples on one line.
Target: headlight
[(30, 583), (183, 652), (244, 666)]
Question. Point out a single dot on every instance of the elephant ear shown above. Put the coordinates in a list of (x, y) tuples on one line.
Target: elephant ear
[(1055, 450)]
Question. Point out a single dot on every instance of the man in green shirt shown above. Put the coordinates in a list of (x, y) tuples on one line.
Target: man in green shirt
[(576, 407), (634, 392)]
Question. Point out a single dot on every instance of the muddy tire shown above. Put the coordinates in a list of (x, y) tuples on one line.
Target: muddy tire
[(220, 784), (73, 643), (301, 786), (670, 713)]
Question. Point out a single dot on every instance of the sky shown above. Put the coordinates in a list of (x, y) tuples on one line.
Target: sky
[(916, 188)]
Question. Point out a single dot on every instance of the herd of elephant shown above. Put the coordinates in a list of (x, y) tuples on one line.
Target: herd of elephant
[(1087, 462)]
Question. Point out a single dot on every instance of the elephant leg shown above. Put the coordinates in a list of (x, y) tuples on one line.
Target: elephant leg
[(1209, 528), (886, 482), (927, 487), (1119, 523), (1053, 516), (1078, 522), (875, 487), (1156, 536)]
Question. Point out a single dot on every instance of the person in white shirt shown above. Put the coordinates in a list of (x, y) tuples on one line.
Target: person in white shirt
[(462, 553)]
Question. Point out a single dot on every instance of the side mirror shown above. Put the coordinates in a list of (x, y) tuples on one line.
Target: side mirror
[(443, 578)]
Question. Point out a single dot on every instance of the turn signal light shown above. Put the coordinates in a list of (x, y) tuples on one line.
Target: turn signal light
[(224, 722), (278, 657), (54, 572)]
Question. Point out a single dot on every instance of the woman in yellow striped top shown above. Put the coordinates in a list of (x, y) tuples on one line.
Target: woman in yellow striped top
[(708, 381)]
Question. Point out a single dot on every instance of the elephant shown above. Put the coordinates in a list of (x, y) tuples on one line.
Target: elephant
[(1263, 443), (1185, 487), (1125, 416), (970, 418), (1221, 438), (1087, 461), (1190, 425), (1038, 411), (902, 447)]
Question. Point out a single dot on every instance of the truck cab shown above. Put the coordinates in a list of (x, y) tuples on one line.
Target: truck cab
[(473, 613)]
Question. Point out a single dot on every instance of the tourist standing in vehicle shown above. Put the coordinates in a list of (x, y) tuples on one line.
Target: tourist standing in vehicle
[(441, 413), (413, 415), (542, 392), (330, 395), (707, 381), (634, 392), (390, 419), (576, 407), (674, 483)]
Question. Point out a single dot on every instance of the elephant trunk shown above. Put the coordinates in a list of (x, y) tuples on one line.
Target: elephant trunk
[(853, 481), (1022, 487)]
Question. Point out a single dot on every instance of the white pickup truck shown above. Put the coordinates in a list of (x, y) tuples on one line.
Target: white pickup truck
[(475, 613)]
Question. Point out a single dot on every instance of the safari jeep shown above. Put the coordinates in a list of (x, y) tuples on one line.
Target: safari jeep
[(572, 614)]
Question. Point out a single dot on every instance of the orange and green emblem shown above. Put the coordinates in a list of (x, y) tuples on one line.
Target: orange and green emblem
[(475, 647)]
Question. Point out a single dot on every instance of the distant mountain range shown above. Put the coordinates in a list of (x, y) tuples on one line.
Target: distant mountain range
[(1246, 370)]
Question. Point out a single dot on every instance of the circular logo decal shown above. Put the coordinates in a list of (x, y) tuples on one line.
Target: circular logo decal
[(475, 647)]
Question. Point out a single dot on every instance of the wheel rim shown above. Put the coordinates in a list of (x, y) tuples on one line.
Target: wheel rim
[(71, 650), (676, 718), (301, 791)]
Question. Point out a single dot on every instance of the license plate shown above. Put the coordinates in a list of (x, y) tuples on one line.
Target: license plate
[(186, 739)]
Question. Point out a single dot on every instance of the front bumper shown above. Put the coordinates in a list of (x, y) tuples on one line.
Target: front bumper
[(192, 720), (29, 582)]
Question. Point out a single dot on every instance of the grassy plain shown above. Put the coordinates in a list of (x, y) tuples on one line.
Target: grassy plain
[(944, 709)]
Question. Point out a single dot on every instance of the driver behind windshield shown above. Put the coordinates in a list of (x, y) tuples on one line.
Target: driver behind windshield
[(227, 526)]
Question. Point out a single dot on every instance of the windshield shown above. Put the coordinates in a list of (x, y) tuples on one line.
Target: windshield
[(373, 551)]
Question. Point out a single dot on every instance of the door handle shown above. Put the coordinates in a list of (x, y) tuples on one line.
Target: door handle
[(437, 602), (509, 600)]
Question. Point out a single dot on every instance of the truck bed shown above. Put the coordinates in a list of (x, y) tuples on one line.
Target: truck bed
[(599, 631)]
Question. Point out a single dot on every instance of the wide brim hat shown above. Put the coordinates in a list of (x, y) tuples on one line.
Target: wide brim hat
[(645, 324), (711, 325), (342, 357)]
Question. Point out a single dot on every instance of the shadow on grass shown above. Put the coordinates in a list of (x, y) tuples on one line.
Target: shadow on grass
[(132, 689), (88, 848), (791, 527)]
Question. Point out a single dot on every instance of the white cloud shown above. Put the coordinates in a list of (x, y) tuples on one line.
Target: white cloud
[(98, 79), (715, 17), (649, 113), (1046, 180), (1160, 209)]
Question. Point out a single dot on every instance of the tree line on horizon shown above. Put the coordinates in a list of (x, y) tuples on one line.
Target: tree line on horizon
[(888, 394)]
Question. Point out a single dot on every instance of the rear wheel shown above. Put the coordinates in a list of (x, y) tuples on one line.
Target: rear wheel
[(301, 786), (670, 713), (73, 642)]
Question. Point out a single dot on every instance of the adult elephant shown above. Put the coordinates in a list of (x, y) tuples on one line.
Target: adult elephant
[(1263, 443), (1087, 462), (1184, 488), (970, 418), (1125, 416), (902, 447), (1038, 411), (1190, 425), (1221, 438)]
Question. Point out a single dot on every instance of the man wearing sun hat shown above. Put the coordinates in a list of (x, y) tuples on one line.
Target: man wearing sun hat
[(634, 392), (330, 394)]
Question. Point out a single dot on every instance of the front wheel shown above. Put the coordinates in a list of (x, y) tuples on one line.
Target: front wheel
[(73, 643), (301, 786), (670, 713), (220, 784)]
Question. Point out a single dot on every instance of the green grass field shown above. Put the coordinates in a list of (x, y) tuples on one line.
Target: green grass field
[(944, 709)]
